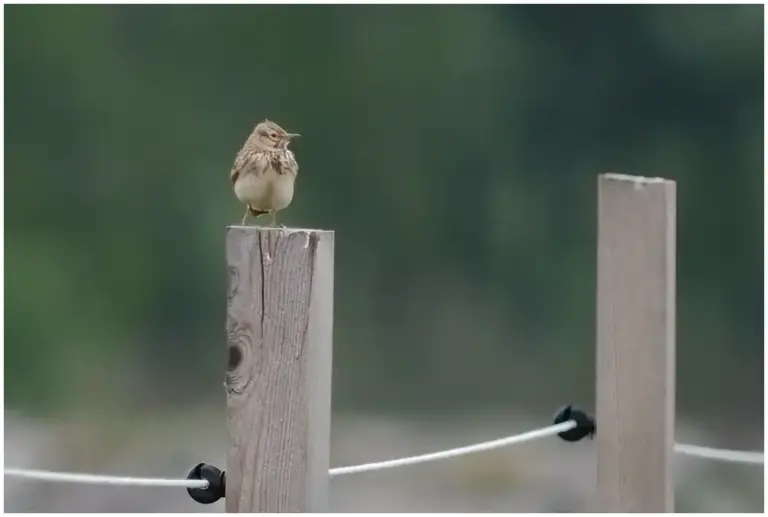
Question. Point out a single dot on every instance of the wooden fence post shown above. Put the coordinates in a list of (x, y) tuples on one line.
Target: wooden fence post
[(635, 344), (278, 383)]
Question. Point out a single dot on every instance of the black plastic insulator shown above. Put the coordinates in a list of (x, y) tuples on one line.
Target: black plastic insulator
[(216, 483), (585, 424)]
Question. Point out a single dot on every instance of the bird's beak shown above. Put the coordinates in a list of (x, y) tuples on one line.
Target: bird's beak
[(291, 135)]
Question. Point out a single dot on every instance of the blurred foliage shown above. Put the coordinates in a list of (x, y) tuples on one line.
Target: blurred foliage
[(454, 150)]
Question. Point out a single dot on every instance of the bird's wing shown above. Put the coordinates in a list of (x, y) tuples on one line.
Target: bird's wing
[(241, 160), (245, 161)]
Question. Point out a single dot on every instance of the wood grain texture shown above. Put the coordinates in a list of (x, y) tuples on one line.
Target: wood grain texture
[(278, 383), (635, 344)]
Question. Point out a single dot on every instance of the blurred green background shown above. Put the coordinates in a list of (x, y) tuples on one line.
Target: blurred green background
[(453, 149)]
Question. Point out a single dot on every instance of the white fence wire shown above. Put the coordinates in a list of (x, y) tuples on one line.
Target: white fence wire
[(755, 458)]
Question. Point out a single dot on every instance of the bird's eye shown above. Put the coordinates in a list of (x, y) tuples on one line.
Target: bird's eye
[(273, 135)]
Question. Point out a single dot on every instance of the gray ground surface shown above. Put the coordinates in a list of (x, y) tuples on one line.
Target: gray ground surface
[(546, 475)]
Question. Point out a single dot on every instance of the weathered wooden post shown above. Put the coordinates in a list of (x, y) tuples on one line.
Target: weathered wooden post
[(635, 344), (279, 329)]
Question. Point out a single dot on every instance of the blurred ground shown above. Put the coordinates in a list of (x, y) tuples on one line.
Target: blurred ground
[(546, 475)]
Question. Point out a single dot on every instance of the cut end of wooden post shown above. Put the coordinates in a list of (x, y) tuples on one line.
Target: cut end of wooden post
[(634, 179), (275, 229), (638, 181)]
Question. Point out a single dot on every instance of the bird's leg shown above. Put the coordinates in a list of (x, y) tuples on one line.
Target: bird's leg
[(274, 220), (245, 217)]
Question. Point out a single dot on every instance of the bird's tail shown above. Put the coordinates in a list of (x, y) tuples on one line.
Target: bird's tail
[(257, 213)]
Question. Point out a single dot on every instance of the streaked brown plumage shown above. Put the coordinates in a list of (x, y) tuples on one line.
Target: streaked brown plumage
[(264, 171)]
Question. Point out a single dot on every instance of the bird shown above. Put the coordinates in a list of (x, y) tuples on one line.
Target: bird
[(264, 171)]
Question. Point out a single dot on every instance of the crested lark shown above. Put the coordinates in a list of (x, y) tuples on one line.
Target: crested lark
[(264, 171)]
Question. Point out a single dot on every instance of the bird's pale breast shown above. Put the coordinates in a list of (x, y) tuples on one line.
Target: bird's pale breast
[(265, 189)]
